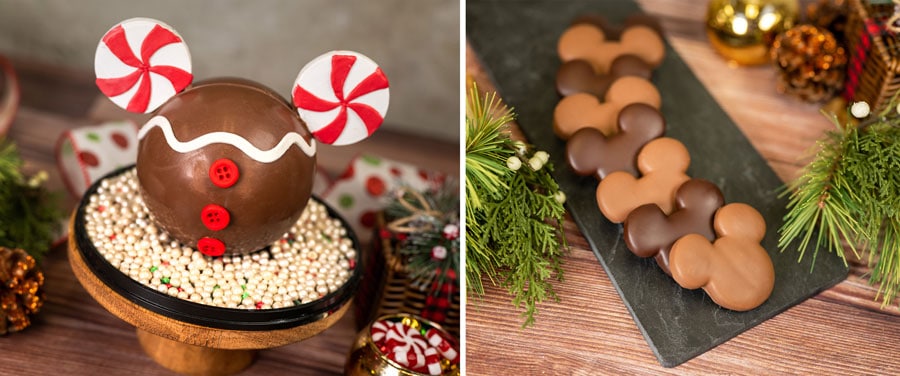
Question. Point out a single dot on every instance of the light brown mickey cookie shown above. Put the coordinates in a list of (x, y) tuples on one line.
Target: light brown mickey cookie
[(588, 42), (735, 271), (662, 163), (582, 110)]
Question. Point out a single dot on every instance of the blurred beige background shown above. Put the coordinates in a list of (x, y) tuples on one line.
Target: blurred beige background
[(416, 42)]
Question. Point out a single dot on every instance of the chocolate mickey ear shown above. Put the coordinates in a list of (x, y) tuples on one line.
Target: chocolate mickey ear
[(342, 96), (140, 63)]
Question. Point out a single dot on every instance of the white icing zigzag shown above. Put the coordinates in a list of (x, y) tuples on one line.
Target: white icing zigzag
[(262, 156)]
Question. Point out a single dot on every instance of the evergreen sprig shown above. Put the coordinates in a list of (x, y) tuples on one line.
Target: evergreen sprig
[(849, 195), (418, 246), (29, 217), (514, 210)]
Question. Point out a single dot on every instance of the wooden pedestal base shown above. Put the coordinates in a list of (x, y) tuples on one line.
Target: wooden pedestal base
[(194, 360), (185, 347)]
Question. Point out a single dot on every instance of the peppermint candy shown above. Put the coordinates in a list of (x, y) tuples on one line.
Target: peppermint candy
[(433, 361), (407, 345), (342, 96), (379, 329), (404, 343), (140, 63), (440, 343)]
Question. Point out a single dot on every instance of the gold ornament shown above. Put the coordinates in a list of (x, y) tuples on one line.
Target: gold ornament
[(21, 295), (743, 30)]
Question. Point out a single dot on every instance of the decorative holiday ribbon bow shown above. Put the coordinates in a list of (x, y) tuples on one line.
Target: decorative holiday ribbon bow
[(892, 23), (417, 212)]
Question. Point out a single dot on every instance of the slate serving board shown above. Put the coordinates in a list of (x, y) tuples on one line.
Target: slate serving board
[(516, 41)]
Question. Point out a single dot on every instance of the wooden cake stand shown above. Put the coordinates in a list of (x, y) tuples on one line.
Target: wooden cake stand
[(192, 338)]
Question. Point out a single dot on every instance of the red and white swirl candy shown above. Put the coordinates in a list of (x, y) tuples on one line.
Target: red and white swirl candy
[(407, 346), (433, 361), (442, 345), (379, 330), (342, 96), (140, 63)]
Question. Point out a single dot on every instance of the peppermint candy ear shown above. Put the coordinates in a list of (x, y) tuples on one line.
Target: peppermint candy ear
[(342, 96), (140, 63)]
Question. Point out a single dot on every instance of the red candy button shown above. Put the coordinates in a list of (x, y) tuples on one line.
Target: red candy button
[(224, 173), (211, 247), (215, 217)]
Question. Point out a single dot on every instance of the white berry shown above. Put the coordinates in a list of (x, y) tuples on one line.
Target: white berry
[(859, 110)]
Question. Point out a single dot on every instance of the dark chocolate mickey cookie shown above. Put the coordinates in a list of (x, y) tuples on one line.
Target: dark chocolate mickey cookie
[(578, 76), (589, 152), (650, 233)]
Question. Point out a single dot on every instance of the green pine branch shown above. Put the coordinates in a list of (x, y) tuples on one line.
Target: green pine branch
[(514, 211), (849, 196), (487, 148), (29, 217), (418, 246)]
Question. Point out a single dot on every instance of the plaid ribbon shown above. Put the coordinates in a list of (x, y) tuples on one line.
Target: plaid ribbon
[(858, 58)]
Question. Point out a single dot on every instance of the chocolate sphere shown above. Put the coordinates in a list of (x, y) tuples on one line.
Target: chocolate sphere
[(217, 181)]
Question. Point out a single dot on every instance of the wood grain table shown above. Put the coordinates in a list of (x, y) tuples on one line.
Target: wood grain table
[(589, 331), (73, 334)]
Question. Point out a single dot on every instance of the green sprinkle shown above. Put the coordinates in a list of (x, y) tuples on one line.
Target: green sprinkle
[(153, 268), (164, 279), (93, 137), (245, 295)]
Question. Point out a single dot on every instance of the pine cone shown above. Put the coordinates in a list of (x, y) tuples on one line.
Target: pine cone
[(830, 15), (810, 63), (20, 289)]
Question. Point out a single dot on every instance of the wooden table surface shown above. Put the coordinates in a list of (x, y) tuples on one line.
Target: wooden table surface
[(589, 331), (73, 334)]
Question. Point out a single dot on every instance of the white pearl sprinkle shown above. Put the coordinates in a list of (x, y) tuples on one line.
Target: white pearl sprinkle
[(311, 260)]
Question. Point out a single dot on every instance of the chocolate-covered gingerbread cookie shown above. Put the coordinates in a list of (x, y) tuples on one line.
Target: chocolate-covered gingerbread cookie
[(578, 76), (650, 233), (590, 152)]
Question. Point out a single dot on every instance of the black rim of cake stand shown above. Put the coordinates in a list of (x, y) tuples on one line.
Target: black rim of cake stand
[(202, 314)]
